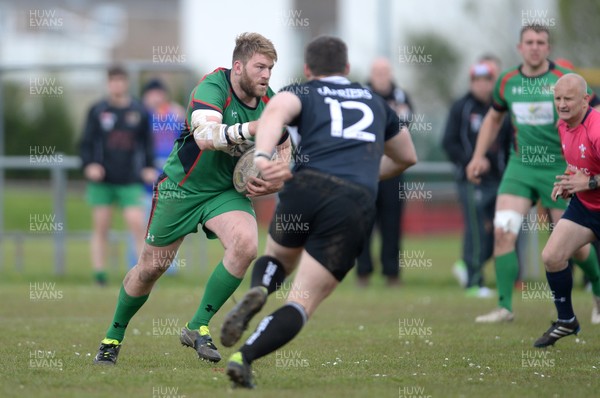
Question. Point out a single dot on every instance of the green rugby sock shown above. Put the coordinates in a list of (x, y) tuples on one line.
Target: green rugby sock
[(507, 271), (127, 306), (219, 288), (591, 270), (100, 276)]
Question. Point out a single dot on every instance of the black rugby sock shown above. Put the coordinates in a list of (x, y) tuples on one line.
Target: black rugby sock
[(268, 272), (274, 331), (561, 284)]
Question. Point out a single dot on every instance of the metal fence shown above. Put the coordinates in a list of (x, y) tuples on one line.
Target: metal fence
[(528, 243), (59, 187)]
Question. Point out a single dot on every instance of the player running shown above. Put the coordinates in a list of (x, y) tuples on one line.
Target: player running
[(526, 92), (196, 188), (579, 129), (344, 129)]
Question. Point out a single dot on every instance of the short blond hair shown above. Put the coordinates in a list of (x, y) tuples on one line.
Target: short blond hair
[(247, 44)]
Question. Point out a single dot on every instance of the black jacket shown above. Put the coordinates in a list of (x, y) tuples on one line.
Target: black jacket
[(120, 139), (460, 136)]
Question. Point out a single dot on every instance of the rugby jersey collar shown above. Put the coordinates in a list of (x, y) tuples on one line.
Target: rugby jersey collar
[(335, 79), (574, 129), (589, 110), (551, 66)]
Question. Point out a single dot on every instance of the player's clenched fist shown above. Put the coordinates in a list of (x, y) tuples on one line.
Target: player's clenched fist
[(476, 168)]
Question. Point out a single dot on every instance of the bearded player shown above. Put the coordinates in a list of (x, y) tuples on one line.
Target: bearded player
[(345, 130), (526, 92), (196, 188)]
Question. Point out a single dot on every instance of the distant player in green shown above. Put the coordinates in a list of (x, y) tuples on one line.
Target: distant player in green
[(196, 188), (527, 93)]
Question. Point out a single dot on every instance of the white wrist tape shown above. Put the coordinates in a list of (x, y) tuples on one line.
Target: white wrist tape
[(246, 131), (238, 133)]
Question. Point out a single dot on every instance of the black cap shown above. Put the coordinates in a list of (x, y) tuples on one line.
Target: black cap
[(154, 84)]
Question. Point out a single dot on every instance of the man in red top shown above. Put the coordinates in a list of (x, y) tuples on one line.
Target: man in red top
[(579, 130)]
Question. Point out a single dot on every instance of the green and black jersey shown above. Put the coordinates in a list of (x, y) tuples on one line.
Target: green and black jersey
[(210, 171)]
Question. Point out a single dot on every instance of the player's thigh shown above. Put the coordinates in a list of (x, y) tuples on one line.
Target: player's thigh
[(518, 188), (516, 203), (234, 228), (566, 238), (312, 284), (175, 213), (102, 218), (555, 215), (223, 203), (134, 217), (288, 256)]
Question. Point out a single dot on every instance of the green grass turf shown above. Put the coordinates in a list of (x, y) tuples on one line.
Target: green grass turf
[(419, 340), (416, 341)]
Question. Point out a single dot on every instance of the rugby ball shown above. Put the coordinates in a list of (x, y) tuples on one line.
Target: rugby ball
[(244, 169)]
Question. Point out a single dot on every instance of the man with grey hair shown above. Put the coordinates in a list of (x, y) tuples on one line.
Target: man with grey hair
[(525, 93), (389, 202), (579, 130)]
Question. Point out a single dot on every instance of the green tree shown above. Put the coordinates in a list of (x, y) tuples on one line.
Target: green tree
[(579, 31), (36, 119), (445, 59)]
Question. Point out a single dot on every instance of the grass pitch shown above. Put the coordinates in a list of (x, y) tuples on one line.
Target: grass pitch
[(416, 341)]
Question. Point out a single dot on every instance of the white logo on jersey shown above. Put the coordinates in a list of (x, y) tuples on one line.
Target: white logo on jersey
[(107, 120), (582, 148), (534, 113)]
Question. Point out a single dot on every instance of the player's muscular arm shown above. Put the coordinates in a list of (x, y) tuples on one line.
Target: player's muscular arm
[(399, 155), (488, 132), (280, 110), (284, 151), (211, 134)]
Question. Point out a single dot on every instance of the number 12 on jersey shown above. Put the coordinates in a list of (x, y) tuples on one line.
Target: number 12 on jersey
[(355, 131)]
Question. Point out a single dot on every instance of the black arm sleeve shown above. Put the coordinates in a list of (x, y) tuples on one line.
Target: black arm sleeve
[(507, 137), (147, 140), (284, 136), (451, 141), (408, 101), (407, 118), (392, 123), (87, 148)]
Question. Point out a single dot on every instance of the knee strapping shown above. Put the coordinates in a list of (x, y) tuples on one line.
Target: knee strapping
[(508, 221)]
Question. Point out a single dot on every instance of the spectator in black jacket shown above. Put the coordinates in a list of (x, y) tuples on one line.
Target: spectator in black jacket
[(477, 201), (389, 205), (117, 155)]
